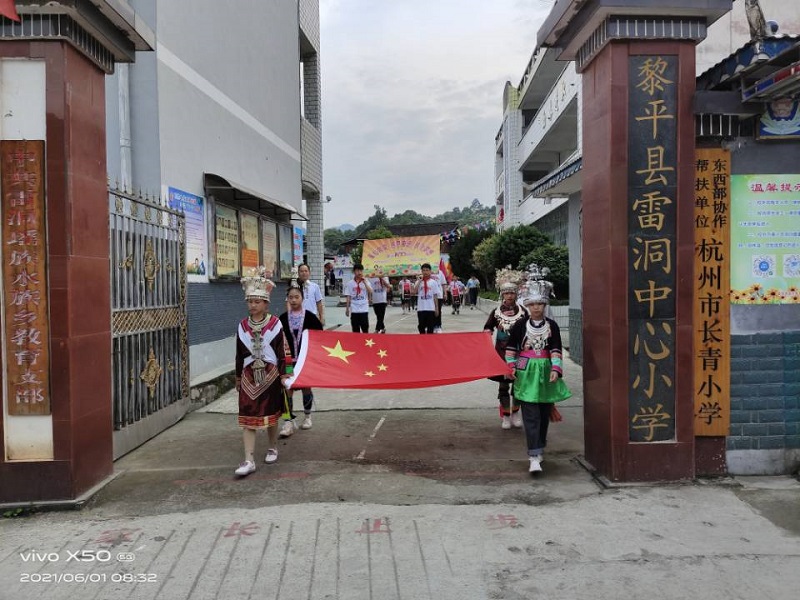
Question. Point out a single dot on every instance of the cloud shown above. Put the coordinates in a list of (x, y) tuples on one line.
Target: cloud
[(412, 100)]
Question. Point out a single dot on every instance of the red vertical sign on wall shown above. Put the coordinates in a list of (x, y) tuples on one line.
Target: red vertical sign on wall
[(26, 331)]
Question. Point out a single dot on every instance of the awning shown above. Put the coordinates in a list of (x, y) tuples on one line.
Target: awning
[(549, 185), (225, 190)]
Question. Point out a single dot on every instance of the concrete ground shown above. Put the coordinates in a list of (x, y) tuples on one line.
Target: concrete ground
[(401, 494)]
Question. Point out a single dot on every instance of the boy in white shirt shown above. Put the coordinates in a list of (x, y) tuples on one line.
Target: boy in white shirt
[(380, 285), (428, 292), (359, 297)]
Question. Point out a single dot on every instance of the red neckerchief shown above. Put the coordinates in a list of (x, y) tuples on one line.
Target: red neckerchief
[(425, 285), (358, 286)]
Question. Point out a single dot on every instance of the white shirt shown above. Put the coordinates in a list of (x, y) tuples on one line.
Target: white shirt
[(359, 300), (311, 295), (442, 284), (379, 285), (425, 301)]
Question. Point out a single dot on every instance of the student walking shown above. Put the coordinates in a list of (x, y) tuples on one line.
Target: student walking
[(261, 366), (359, 297), (428, 293)]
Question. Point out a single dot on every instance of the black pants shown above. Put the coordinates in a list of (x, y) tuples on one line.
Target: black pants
[(473, 296), (504, 396), (536, 418), (426, 321), (308, 401), (359, 322), (380, 313)]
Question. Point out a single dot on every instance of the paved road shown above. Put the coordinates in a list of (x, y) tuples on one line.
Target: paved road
[(409, 495)]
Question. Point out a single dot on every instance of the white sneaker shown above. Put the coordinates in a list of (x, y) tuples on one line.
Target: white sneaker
[(505, 422), (287, 429), (516, 419), (536, 465), (306, 424), (245, 468), (271, 457), (437, 330)]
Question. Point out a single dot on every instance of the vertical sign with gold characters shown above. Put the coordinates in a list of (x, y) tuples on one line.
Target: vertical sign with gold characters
[(26, 326), (652, 206), (712, 340)]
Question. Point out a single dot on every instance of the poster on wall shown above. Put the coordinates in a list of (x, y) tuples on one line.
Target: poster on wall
[(251, 257), (193, 207), (781, 121), (269, 244), (227, 234), (286, 251), (297, 245), (765, 239)]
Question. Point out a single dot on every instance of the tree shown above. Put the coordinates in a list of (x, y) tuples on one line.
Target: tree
[(333, 238), (518, 241), (379, 233), (376, 220), (461, 252), (484, 259)]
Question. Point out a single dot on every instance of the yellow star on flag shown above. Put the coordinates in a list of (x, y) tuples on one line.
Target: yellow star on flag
[(382, 367), (369, 374), (382, 353), (338, 352), (370, 343)]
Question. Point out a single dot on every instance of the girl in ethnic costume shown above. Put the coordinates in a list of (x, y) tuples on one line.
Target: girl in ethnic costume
[(261, 352), (295, 321), (534, 349), (503, 319)]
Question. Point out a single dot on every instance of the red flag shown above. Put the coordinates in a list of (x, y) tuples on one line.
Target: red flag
[(8, 9), (330, 359)]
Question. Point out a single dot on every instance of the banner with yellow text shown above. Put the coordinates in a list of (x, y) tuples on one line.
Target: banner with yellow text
[(398, 256)]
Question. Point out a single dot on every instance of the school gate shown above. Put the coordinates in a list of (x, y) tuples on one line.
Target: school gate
[(150, 366)]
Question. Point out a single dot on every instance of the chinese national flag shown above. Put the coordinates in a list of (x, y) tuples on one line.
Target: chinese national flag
[(8, 9), (393, 361)]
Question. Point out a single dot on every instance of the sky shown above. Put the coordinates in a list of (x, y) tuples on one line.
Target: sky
[(412, 99)]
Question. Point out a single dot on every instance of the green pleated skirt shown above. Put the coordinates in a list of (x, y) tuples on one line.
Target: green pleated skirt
[(532, 383)]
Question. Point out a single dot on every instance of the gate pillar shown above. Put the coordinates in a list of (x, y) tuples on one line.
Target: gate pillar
[(638, 70), (57, 434)]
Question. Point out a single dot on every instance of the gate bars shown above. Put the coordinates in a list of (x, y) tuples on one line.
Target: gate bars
[(150, 367)]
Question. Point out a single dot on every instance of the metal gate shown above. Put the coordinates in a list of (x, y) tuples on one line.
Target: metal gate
[(150, 355)]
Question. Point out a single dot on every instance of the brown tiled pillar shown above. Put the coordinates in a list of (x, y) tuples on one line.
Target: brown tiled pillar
[(78, 281), (638, 153)]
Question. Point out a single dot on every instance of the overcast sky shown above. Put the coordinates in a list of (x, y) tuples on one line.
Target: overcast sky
[(412, 99)]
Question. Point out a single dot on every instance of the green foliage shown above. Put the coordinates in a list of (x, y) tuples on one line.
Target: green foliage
[(555, 258), (516, 242), (519, 247), (484, 258), (333, 238), (379, 233), (376, 220), (461, 252)]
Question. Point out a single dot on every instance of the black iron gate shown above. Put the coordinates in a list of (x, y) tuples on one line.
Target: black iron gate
[(148, 308)]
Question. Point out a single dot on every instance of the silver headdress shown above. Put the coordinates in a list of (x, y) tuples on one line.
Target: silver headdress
[(256, 284), (508, 279), (536, 289)]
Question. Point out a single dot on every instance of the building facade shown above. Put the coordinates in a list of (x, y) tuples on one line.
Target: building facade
[(539, 180), (227, 120)]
